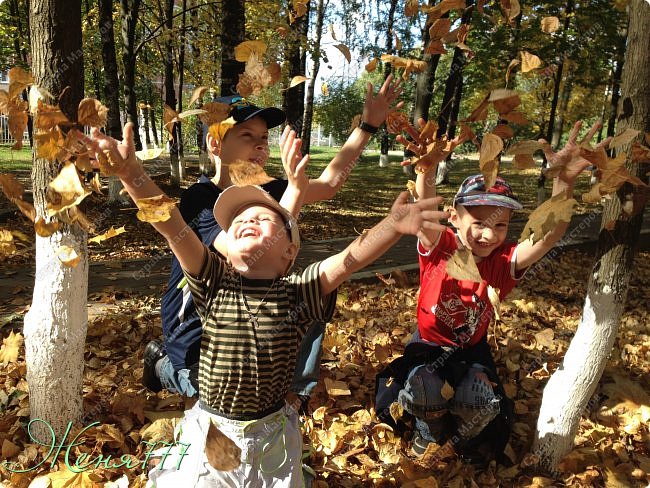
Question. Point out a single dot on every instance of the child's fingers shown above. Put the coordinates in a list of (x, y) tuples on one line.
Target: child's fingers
[(573, 135), (128, 135), (592, 131), (604, 143), (429, 225), (302, 165)]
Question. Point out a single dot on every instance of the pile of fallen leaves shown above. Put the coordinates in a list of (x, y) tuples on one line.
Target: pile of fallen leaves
[(349, 446)]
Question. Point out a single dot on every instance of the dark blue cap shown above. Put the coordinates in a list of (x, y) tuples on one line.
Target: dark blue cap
[(243, 110)]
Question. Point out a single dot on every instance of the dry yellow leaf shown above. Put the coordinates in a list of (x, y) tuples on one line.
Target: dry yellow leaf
[(524, 147), (11, 187), (46, 229), (491, 146), (66, 190), (372, 65), (493, 296), (218, 130), (411, 8), (504, 100), (68, 256), (155, 209), (49, 116), (296, 80), (147, 154), (439, 28), (410, 186), (215, 112), (9, 449), (11, 347), (336, 388), (429, 482), (65, 478), (515, 117), (7, 245), (244, 173), (49, 145), (447, 391), (523, 161), (544, 338), (504, 131), (489, 170), (110, 233), (17, 122), (345, 50), (19, 79), (198, 92), (462, 266), (623, 138), (244, 50), (512, 64), (480, 112), (594, 195), (547, 216), (529, 62), (92, 112), (222, 453), (550, 24), (396, 411)]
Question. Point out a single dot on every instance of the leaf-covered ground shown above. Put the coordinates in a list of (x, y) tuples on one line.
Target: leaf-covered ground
[(369, 329)]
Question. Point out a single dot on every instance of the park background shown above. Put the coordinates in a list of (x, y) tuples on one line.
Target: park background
[(565, 59)]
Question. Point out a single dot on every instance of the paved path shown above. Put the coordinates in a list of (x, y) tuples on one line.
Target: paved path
[(151, 274)]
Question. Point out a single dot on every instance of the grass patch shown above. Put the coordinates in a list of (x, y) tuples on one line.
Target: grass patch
[(11, 160)]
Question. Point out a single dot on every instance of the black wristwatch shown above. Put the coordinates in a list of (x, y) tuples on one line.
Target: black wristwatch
[(366, 127)]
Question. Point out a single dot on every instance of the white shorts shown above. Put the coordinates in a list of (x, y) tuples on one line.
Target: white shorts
[(271, 452)]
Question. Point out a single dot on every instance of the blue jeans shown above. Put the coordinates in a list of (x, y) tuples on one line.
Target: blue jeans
[(304, 380)]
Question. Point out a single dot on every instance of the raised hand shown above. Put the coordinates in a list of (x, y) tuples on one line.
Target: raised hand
[(377, 107), (428, 150), (293, 162), (567, 160), (413, 218), (117, 155)]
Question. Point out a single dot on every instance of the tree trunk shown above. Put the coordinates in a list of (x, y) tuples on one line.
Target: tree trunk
[(384, 142), (616, 87), (129, 15), (309, 107), (111, 90), (562, 108), (170, 96), (205, 165), (293, 99), (571, 386), (232, 33), (181, 76), (56, 324)]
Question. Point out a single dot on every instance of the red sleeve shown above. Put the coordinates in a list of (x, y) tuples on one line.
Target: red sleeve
[(446, 245), (500, 272)]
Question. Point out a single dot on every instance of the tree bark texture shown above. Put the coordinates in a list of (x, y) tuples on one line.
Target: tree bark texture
[(55, 326), (309, 106), (170, 96), (570, 387), (233, 32), (293, 99), (129, 16), (384, 143)]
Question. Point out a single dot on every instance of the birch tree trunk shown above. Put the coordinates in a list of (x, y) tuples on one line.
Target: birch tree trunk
[(55, 326), (571, 386), (309, 105)]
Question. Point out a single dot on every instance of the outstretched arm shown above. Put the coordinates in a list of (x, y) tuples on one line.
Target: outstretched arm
[(337, 171), (189, 250), (404, 218), (572, 164)]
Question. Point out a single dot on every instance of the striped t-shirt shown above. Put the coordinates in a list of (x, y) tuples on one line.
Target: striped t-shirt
[(245, 370)]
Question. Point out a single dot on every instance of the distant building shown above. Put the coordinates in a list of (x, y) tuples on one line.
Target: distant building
[(4, 80)]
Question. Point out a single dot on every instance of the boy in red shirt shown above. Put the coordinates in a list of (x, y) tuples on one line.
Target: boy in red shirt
[(450, 344)]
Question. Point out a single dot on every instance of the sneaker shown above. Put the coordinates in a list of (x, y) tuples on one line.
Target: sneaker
[(153, 352), (420, 444)]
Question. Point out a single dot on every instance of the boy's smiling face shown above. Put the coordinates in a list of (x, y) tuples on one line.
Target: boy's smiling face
[(481, 228), (258, 234), (248, 141)]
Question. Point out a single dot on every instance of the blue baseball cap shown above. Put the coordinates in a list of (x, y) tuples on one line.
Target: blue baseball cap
[(472, 192), (243, 110)]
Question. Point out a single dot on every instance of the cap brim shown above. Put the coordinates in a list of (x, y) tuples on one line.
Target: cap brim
[(492, 199), (234, 198), (271, 115)]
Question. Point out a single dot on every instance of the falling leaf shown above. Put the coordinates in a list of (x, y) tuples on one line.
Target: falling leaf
[(439, 28), (410, 186), (11, 187), (345, 50), (170, 116), (92, 113), (523, 161), (511, 8), (19, 79), (443, 7), (529, 62), (147, 154), (493, 296), (480, 112), (333, 32), (244, 173), (544, 338), (110, 233), (623, 138), (68, 256), (218, 131), (275, 72), (447, 391), (461, 266), (336, 388), (49, 144), (110, 162), (550, 24), (512, 64), (155, 209), (7, 245), (547, 216), (411, 8), (198, 92), (215, 112), (17, 121), (244, 50), (504, 100), (396, 122), (300, 7), (372, 65), (297, 80), (514, 117), (354, 123), (594, 195), (525, 147), (66, 190), (489, 170), (491, 146), (324, 89), (46, 229), (504, 131), (409, 65), (49, 116), (188, 113), (435, 47), (398, 42), (222, 452), (26, 208), (396, 411)]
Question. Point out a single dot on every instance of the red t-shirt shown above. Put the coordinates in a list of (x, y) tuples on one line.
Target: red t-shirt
[(453, 312)]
